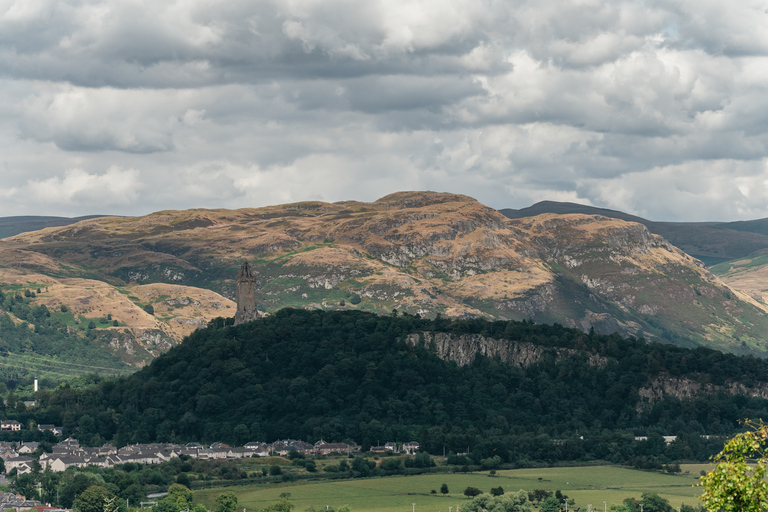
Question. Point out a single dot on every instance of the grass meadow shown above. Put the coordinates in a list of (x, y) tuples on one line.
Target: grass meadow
[(587, 485)]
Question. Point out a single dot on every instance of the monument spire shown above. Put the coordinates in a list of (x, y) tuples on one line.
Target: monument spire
[(246, 295)]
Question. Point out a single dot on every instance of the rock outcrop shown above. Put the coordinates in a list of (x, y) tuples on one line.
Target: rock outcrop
[(464, 348)]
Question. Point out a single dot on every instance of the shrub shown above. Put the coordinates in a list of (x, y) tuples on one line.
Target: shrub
[(392, 464), (472, 492)]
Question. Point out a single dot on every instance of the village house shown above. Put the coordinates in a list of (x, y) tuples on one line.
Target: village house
[(410, 448), (12, 501), (11, 425), (52, 428), (259, 449), (28, 447), (323, 448), (22, 465), (286, 446)]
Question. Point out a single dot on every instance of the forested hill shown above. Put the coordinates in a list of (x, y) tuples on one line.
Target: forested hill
[(351, 375)]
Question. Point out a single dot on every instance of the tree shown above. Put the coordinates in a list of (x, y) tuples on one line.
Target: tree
[(281, 506), (444, 489), (472, 491), (241, 434), (392, 464), (91, 325), (510, 502), (149, 309), (652, 502), (491, 462), (179, 497), (362, 466), (735, 485), (550, 504), (226, 502), (73, 484), (497, 491), (134, 493), (93, 499)]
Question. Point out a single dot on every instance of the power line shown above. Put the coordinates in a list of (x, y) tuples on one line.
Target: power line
[(54, 365), (64, 362), (44, 371)]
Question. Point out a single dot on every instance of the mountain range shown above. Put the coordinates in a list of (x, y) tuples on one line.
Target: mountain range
[(424, 253)]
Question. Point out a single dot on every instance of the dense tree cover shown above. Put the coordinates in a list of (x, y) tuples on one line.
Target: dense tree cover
[(43, 332), (349, 375)]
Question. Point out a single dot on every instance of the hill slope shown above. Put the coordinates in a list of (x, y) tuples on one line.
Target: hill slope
[(711, 242), (10, 226), (420, 252), (447, 383)]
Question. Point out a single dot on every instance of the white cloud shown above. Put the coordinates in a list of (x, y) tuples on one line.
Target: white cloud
[(201, 103), (77, 187)]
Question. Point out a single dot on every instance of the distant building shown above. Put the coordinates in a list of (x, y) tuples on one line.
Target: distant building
[(10, 425), (410, 448), (246, 295), (53, 428)]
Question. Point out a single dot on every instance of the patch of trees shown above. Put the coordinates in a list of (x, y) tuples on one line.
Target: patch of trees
[(131, 482), (42, 332), (348, 375)]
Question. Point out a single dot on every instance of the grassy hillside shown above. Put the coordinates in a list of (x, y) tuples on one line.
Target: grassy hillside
[(10, 226), (420, 252), (711, 242)]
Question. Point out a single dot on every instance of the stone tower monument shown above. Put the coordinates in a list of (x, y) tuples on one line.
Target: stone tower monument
[(246, 295)]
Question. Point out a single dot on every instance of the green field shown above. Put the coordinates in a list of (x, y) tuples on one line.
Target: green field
[(587, 485)]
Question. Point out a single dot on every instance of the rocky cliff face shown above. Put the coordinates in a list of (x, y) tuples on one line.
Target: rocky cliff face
[(685, 389), (464, 348), (421, 252)]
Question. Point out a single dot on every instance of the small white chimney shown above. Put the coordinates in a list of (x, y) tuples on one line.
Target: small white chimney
[(35, 384)]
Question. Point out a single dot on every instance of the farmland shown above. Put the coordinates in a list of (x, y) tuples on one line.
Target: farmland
[(587, 485)]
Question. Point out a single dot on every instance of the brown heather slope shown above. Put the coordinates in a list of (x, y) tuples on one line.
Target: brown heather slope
[(421, 252)]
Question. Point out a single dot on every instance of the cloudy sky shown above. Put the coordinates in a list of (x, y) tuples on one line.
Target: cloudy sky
[(657, 107)]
